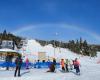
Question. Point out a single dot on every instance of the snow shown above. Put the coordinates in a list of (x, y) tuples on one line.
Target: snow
[(33, 47), (90, 70), (87, 73), (7, 50)]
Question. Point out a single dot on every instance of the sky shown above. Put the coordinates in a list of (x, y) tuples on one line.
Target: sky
[(62, 20)]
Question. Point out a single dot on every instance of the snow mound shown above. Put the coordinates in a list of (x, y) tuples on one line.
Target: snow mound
[(33, 47)]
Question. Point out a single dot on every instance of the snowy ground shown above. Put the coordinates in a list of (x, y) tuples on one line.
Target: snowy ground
[(90, 70)]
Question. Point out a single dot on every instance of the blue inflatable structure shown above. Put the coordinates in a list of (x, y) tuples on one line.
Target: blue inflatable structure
[(31, 65)]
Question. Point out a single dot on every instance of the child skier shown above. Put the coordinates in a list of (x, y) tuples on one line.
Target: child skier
[(62, 64), (27, 63), (71, 64), (76, 66), (66, 64)]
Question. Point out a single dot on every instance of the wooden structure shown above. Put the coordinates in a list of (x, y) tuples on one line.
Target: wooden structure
[(42, 56)]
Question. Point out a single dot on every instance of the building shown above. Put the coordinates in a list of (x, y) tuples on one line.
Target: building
[(7, 44), (23, 43)]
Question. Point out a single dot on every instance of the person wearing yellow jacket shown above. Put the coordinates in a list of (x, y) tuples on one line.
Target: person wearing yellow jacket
[(66, 65)]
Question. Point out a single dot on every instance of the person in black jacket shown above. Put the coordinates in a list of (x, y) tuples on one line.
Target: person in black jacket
[(54, 62), (52, 66), (18, 63)]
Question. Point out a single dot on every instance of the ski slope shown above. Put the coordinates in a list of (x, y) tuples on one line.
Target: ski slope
[(32, 48)]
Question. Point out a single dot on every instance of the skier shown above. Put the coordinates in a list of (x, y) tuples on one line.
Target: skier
[(18, 63), (62, 64), (54, 61), (52, 66), (76, 66), (66, 65), (71, 64), (27, 63)]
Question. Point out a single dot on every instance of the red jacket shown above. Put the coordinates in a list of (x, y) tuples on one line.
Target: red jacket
[(76, 63)]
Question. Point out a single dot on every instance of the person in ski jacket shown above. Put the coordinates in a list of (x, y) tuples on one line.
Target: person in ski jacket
[(76, 65), (52, 66), (62, 64), (71, 64), (27, 63), (54, 62), (18, 63), (66, 65)]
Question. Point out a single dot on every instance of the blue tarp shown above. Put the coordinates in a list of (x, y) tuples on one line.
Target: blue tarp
[(31, 65), (45, 64)]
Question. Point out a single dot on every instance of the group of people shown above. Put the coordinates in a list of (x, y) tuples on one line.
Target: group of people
[(66, 65), (73, 64)]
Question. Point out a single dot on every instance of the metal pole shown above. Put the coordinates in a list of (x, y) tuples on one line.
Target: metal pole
[(59, 46)]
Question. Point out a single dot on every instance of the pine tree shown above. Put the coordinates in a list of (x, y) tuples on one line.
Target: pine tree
[(77, 47), (81, 43)]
